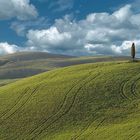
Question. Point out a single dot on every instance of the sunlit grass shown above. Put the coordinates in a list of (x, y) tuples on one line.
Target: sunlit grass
[(87, 102)]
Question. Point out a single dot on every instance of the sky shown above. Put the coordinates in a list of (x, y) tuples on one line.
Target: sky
[(71, 27)]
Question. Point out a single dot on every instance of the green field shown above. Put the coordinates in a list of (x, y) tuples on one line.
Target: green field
[(98, 101)]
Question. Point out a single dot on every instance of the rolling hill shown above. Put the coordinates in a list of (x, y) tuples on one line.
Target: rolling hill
[(86, 102), (25, 64)]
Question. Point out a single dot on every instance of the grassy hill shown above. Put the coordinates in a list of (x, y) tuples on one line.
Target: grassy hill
[(24, 64), (26, 56), (86, 102)]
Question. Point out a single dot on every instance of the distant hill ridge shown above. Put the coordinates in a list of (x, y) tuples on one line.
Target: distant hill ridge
[(26, 56), (24, 64)]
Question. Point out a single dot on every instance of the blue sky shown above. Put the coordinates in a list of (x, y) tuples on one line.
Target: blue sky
[(73, 27)]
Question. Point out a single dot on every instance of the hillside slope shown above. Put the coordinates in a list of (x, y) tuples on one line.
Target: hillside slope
[(24, 64), (27, 56), (86, 102)]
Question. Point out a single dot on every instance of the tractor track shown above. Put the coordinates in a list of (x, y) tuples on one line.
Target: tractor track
[(97, 127), (122, 92), (65, 97), (86, 128), (123, 84), (59, 108), (133, 87), (100, 123), (63, 105), (93, 119), (32, 93), (16, 102), (20, 106), (69, 108), (122, 95)]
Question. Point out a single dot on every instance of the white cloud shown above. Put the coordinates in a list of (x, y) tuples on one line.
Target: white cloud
[(6, 48), (98, 33), (124, 13), (22, 27), (21, 9), (49, 40), (124, 48)]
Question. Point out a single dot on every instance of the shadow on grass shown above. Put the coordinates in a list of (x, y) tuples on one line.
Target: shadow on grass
[(134, 61)]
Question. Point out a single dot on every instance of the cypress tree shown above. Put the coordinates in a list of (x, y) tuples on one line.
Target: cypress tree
[(133, 51)]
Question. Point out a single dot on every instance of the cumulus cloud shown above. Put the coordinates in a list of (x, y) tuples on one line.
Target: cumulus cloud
[(21, 9), (21, 27), (50, 39), (123, 13), (6, 48), (98, 33)]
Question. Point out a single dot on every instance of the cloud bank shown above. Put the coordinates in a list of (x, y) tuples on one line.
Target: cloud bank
[(20, 9), (97, 34), (6, 48)]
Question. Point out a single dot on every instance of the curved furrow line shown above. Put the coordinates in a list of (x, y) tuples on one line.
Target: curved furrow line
[(16, 102), (133, 87), (31, 94), (34, 91), (87, 126), (44, 121), (122, 95), (95, 117), (100, 123), (97, 127), (122, 92), (84, 129), (64, 100), (67, 110)]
